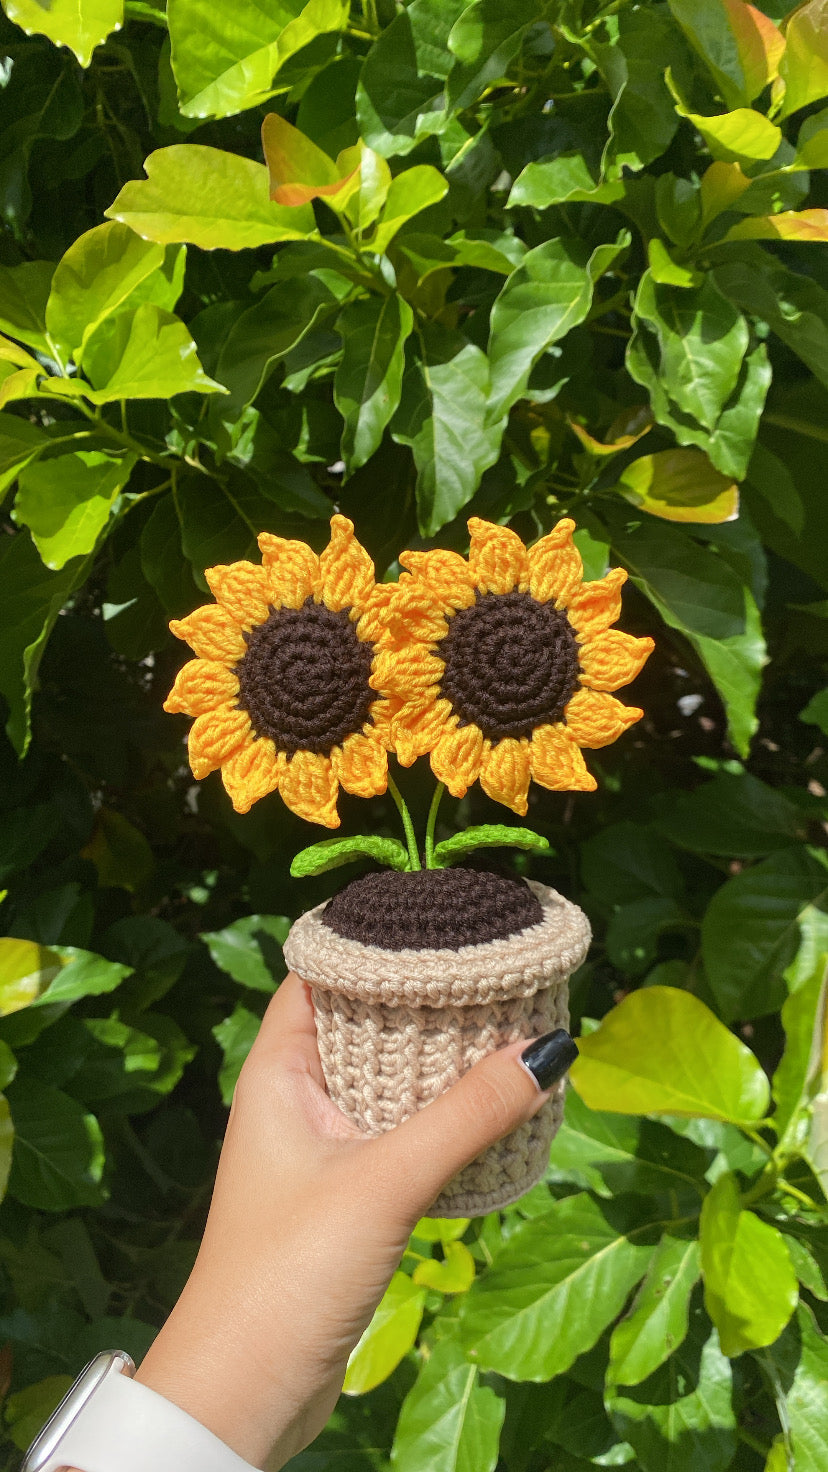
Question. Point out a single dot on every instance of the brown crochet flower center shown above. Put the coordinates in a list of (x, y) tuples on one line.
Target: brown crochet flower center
[(304, 678), (511, 664), (433, 909)]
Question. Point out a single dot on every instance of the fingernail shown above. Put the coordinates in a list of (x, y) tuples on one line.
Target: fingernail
[(549, 1057)]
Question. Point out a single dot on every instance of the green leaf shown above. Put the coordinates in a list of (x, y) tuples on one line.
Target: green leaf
[(659, 1318), (263, 335), (732, 815), (368, 381), (680, 485), (804, 66), (79, 24), (29, 1409), (104, 271), (66, 502), (742, 136), (661, 1051), (571, 1267), (612, 1153), (127, 1070), (209, 198), (144, 353), (486, 835), (332, 853), (228, 60), (442, 416), (485, 39), (455, 1274), (20, 442), (26, 969), (30, 600), (250, 950), (58, 1155), (750, 1288), (626, 861), (699, 594), (682, 1418), (797, 1075), (6, 1144), (815, 713), (702, 339), (389, 1336), (82, 974), (410, 192), (399, 96), (808, 1270), (794, 307), (549, 293), (555, 181), (24, 291), (812, 142), (739, 45), (801, 1359), (448, 1421), (642, 121), (235, 1036), (751, 930)]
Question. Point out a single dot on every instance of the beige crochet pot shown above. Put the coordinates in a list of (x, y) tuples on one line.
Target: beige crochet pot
[(397, 1027)]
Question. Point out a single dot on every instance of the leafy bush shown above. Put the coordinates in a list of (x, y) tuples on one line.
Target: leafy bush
[(515, 260)]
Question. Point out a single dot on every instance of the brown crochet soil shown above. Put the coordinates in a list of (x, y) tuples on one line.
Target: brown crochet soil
[(431, 910)]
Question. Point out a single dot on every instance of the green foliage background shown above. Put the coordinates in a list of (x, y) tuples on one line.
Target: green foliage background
[(574, 265)]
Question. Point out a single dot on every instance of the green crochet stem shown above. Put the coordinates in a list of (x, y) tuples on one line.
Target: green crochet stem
[(431, 824), (410, 835)]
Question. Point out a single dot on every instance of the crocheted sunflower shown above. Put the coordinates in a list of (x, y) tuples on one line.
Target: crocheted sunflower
[(504, 663), (284, 686)]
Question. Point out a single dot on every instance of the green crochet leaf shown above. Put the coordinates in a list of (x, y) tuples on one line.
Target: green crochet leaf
[(487, 835), (331, 853)]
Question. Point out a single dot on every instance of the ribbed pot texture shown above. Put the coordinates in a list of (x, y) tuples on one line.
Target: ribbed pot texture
[(396, 1028)]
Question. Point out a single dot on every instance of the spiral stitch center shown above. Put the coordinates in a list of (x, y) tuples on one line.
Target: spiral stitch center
[(303, 679), (511, 664)]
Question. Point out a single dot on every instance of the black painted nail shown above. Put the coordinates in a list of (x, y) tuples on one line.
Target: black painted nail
[(549, 1057)]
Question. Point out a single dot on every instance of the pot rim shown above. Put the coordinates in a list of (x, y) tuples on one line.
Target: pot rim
[(542, 955)]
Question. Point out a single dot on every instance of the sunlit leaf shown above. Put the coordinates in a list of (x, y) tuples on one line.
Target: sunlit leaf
[(250, 950), (104, 271), (368, 381), (448, 1422), (209, 198), (66, 502), (660, 1314), (680, 485), (790, 225), (145, 353), (455, 1274), (410, 192), (750, 1288), (804, 66), (742, 136), (79, 24), (298, 171), (740, 46), (661, 1051), (235, 1036), (390, 1335)]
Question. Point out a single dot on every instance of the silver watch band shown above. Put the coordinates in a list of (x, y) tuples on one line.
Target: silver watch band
[(109, 1422)]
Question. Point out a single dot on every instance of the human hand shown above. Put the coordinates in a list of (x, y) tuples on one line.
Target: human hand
[(308, 1222)]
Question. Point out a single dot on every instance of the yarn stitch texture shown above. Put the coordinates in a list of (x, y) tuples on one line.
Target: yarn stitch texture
[(397, 1027), (504, 664), (437, 907), (280, 683)]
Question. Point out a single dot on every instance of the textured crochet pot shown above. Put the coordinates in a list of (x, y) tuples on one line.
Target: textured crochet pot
[(414, 978)]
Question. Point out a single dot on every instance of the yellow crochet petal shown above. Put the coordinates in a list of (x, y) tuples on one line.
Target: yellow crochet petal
[(497, 558), (408, 672), (216, 736), (292, 569), (594, 718), (456, 758), (446, 574), (309, 788), (242, 589), (361, 765), (555, 567), (382, 713), (557, 762), (211, 634), (200, 686), (346, 572), (415, 614), (594, 606), (252, 772), (374, 623), (612, 659), (418, 726), (506, 773)]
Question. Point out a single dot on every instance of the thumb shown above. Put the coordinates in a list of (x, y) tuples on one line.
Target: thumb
[(505, 1089)]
